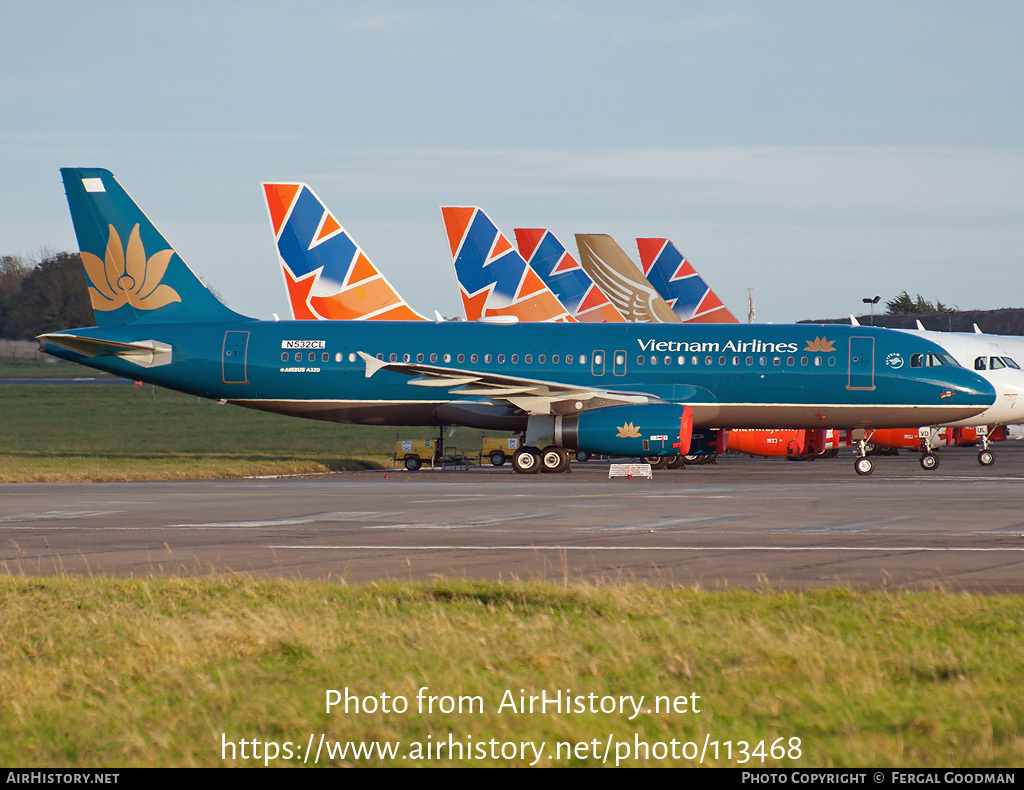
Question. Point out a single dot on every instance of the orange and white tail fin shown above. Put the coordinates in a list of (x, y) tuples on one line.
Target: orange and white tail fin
[(326, 273)]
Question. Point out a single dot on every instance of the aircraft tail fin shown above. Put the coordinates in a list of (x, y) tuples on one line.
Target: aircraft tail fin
[(619, 278), (494, 279), (563, 274), (327, 275), (133, 273), (678, 282)]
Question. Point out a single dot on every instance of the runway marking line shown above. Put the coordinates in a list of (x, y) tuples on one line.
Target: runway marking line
[(889, 549)]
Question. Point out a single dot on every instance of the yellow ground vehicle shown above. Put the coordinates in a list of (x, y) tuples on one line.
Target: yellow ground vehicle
[(413, 453), (498, 449)]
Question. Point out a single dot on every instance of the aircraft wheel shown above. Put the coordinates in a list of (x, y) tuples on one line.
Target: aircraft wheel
[(986, 458), (656, 461), (554, 459), (929, 461), (676, 462), (864, 466), (497, 458), (582, 456), (526, 461), (413, 463)]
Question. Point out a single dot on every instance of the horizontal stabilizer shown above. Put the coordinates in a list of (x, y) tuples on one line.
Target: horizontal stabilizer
[(144, 353)]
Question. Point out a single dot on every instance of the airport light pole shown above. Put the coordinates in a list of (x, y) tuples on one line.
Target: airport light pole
[(872, 302)]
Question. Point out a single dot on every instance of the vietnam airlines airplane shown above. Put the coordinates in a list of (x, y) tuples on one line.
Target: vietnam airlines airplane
[(618, 389)]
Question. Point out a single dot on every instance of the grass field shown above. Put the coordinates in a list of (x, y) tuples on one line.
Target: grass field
[(76, 433), (106, 672)]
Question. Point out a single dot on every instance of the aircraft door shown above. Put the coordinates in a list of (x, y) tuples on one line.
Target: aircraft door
[(233, 359), (597, 363), (862, 364)]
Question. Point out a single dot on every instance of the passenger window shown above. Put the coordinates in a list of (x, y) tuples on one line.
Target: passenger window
[(568, 359), (324, 357), (583, 359), (721, 360), (380, 357), (473, 358), (790, 361), (515, 359), (554, 359), (654, 360), (541, 359), (668, 360), (433, 357), (803, 361), (831, 362), (419, 357), (694, 360), (681, 359), (707, 360), (447, 357), (817, 362), (461, 358), (776, 361), (749, 361), (284, 357), (298, 356), (487, 358), (735, 360), (501, 359), (393, 358), (640, 359), (528, 359), (762, 361)]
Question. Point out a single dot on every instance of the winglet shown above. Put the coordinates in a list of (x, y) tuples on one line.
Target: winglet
[(854, 321), (372, 363), (977, 331), (438, 318), (920, 326)]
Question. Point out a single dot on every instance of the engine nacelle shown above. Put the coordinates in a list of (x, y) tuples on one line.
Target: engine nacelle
[(653, 429)]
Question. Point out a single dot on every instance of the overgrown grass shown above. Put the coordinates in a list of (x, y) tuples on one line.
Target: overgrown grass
[(106, 672), (74, 433)]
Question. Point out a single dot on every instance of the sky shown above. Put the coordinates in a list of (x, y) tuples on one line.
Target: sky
[(809, 153)]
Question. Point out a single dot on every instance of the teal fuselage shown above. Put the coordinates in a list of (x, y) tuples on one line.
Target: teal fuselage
[(733, 376)]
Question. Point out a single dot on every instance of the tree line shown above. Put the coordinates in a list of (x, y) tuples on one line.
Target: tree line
[(43, 295)]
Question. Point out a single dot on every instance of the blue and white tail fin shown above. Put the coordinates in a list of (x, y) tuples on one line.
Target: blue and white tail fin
[(494, 279), (686, 292), (134, 274), (326, 272)]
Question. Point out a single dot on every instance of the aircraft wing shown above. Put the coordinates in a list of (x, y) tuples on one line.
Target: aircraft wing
[(531, 395)]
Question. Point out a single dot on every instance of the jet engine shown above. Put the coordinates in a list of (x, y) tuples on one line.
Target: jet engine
[(652, 429)]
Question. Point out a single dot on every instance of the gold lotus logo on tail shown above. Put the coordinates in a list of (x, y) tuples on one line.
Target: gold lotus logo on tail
[(127, 277), (820, 344), (628, 431)]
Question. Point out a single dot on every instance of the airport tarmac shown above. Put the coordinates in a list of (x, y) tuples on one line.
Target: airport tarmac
[(742, 523)]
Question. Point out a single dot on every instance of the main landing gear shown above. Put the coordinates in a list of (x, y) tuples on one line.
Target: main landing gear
[(530, 460)]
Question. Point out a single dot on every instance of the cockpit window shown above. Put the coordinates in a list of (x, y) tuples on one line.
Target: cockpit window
[(938, 360), (916, 360), (1010, 363), (981, 363), (995, 363)]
